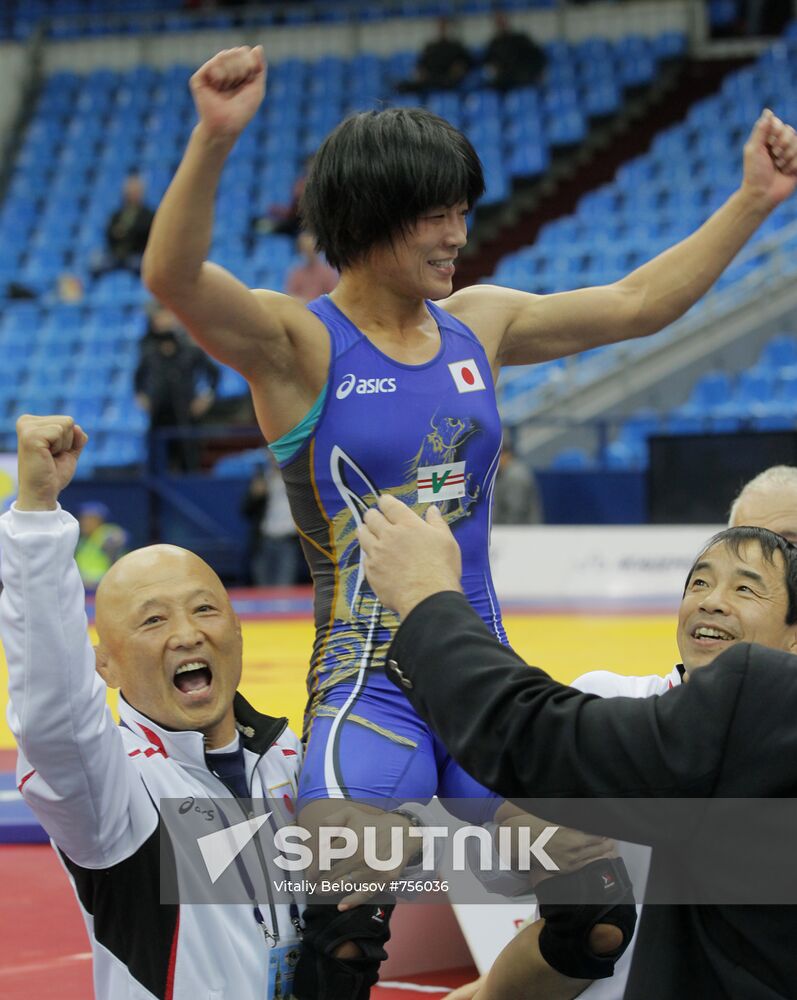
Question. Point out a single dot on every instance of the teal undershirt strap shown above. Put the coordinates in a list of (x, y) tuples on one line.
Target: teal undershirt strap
[(284, 448)]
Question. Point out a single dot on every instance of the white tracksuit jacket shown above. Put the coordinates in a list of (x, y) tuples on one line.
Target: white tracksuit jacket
[(94, 787)]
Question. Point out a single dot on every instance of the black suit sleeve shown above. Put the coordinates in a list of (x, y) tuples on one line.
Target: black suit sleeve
[(522, 734)]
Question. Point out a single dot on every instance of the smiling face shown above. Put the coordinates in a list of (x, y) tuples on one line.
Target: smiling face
[(170, 640), (420, 263), (734, 598)]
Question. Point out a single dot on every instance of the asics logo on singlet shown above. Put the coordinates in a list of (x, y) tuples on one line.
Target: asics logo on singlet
[(364, 386)]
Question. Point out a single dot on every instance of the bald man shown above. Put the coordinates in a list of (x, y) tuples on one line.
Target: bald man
[(171, 642), (769, 501)]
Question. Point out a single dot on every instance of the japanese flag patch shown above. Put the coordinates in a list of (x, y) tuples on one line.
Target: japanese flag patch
[(466, 375)]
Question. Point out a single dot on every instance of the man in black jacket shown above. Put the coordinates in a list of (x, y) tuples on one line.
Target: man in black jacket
[(442, 64), (175, 383), (729, 732), (127, 231), (512, 58)]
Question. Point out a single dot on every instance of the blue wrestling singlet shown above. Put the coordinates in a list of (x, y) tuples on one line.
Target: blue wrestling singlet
[(426, 433)]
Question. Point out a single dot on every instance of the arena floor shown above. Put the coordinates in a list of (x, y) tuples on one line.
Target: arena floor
[(43, 948)]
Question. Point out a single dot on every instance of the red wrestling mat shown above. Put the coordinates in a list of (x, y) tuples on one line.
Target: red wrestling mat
[(425, 986), (43, 943), (44, 951)]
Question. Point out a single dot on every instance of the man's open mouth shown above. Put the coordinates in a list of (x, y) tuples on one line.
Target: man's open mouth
[(709, 632), (193, 678)]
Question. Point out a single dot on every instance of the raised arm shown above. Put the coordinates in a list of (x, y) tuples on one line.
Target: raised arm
[(73, 770), (271, 339), (518, 328)]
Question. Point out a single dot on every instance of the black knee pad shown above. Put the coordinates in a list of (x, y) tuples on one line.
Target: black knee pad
[(321, 976), (564, 940)]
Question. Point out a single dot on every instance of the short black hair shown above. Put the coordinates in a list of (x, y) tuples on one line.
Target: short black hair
[(770, 542), (377, 172)]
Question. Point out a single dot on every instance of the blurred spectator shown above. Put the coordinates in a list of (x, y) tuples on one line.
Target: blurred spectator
[(175, 383), (276, 554), (312, 278), (127, 231), (253, 508), (512, 58), (285, 219), (160, 320), (68, 288), (442, 63), (516, 500), (100, 544)]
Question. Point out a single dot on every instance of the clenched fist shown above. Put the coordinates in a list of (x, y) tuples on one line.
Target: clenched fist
[(770, 160), (48, 449), (228, 89)]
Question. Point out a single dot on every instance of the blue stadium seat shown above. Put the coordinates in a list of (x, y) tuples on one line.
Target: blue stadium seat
[(780, 352), (21, 319), (638, 427), (622, 454), (722, 13), (150, 113), (636, 68), (723, 422), (774, 421), (786, 389), (37, 401), (670, 45), (571, 459), (240, 464), (678, 422), (231, 384), (50, 377), (601, 98), (497, 187), (12, 375), (713, 389), (529, 159), (754, 386), (121, 449), (566, 127), (118, 287)]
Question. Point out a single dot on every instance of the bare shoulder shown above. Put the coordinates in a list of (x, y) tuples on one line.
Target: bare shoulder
[(288, 376), (306, 337), (489, 310), (489, 305), (292, 314)]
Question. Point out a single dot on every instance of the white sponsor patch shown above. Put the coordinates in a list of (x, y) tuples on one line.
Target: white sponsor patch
[(466, 375), (441, 482)]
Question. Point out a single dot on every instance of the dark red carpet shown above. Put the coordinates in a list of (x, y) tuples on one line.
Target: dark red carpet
[(44, 951)]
